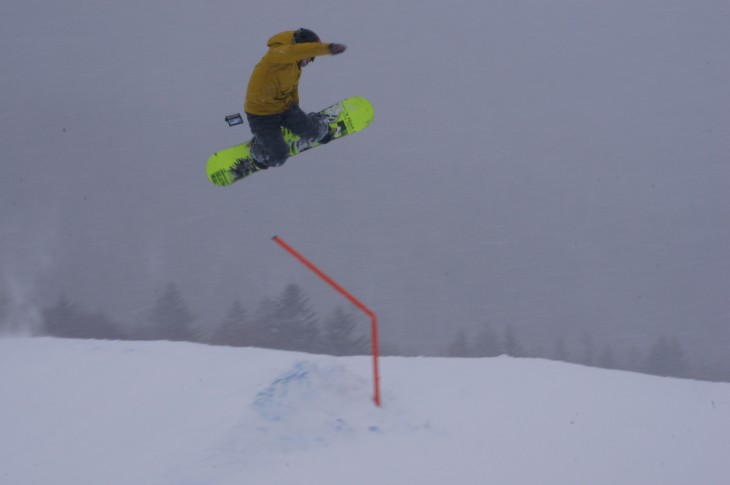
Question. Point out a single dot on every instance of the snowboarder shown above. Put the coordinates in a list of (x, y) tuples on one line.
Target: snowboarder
[(272, 97)]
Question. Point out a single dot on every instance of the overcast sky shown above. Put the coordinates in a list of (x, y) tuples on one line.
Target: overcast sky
[(561, 167)]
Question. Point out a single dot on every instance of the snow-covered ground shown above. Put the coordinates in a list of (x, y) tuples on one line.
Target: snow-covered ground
[(94, 412)]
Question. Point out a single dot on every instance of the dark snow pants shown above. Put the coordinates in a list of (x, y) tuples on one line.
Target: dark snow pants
[(268, 146)]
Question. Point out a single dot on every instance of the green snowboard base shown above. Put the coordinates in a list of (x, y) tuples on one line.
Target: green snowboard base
[(232, 164)]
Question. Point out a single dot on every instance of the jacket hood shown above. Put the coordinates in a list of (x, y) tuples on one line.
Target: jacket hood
[(282, 38)]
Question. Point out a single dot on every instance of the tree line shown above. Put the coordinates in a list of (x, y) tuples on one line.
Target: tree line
[(285, 322), (288, 322), (664, 357)]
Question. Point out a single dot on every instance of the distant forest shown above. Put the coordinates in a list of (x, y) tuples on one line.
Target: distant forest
[(288, 322)]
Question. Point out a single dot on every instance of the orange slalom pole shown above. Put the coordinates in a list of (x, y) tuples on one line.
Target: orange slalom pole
[(354, 301)]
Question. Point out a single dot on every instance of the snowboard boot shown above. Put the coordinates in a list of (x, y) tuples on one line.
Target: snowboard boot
[(328, 137), (257, 156), (245, 167), (326, 132)]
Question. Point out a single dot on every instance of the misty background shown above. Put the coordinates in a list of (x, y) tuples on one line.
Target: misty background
[(556, 171)]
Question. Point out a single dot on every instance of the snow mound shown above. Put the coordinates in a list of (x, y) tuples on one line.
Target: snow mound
[(317, 403)]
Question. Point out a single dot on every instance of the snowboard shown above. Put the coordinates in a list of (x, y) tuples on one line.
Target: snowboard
[(232, 164)]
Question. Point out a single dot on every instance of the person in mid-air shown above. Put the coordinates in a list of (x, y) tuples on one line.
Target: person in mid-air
[(272, 97)]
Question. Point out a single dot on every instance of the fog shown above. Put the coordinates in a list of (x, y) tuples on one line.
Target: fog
[(560, 168)]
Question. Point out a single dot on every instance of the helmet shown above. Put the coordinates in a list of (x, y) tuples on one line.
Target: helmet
[(305, 35)]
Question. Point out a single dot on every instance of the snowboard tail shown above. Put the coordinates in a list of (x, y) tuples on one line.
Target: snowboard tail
[(232, 164)]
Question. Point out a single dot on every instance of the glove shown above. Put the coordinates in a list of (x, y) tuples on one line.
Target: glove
[(337, 49)]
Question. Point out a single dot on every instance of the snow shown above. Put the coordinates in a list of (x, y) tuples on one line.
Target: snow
[(90, 412)]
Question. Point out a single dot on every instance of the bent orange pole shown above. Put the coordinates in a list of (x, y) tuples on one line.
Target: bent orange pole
[(354, 301)]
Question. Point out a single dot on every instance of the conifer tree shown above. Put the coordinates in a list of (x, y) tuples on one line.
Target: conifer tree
[(292, 323), (63, 319), (588, 356), (512, 346), (4, 312), (486, 342), (236, 330), (170, 318), (68, 320), (607, 359), (560, 352), (460, 345), (265, 333), (341, 336), (666, 358)]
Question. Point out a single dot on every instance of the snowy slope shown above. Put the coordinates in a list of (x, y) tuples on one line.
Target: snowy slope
[(91, 412)]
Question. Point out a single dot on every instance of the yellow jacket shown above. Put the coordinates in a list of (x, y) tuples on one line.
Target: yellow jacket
[(274, 83)]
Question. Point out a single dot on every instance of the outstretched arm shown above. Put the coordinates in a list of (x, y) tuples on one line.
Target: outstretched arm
[(297, 52)]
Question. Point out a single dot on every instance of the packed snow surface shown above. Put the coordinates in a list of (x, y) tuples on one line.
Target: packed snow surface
[(96, 412)]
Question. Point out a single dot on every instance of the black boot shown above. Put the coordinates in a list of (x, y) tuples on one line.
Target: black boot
[(329, 136), (257, 156)]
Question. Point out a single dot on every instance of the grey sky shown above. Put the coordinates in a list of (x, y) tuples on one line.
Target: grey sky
[(560, 167)]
